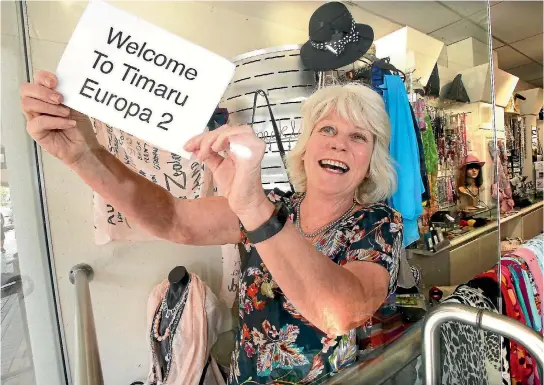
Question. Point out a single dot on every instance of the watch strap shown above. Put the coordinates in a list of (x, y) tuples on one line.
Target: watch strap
[(271, 227)]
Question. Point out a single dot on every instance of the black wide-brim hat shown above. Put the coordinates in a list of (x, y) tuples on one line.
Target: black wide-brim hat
[(333, 29)]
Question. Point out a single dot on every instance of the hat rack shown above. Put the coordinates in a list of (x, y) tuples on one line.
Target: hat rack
[(280, 73)]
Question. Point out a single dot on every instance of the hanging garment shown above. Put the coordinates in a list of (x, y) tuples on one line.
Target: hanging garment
[(471, 356), (520, 288), (536, 245), (530, 258), (422, 167), (527, 296), (202, 320), (489, 287), (182, 178), (421, 113), (429, 147), (522, 368), (501, 185), (377, 78), (404, 150)]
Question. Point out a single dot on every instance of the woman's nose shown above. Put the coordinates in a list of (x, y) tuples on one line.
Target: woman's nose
[(338, 145)]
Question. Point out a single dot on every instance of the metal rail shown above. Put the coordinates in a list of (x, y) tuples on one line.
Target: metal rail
[(88, 370), (479, 318), (387, 364)]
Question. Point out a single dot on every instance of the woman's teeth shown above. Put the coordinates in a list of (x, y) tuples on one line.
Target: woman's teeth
[(334, 165)]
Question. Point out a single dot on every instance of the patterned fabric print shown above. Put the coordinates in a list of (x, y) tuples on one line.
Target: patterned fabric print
[(536, 297), (521, 364), (471, 356), (520, 289), (536, 245), (275, 343), (527, 295)]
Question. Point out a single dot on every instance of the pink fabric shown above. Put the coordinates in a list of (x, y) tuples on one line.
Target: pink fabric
[(528, 256), (189, 348)]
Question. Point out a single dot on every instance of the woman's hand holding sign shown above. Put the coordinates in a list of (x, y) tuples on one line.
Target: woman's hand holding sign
[(238, 174), (69, 136), (62, 132)]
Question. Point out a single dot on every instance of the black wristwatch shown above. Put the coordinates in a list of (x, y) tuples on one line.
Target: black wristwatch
[(270, 227)]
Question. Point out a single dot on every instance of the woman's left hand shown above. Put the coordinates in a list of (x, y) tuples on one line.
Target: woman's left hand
[(238, 175)]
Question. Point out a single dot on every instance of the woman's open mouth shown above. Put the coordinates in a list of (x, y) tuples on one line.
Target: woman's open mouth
[(334, 166)]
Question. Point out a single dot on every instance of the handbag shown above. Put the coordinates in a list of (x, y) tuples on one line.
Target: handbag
[(277, 134)]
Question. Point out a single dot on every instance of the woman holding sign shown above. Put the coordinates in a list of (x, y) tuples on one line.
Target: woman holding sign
[(321, 261)]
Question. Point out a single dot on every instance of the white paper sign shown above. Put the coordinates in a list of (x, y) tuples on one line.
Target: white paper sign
[(140, 78)]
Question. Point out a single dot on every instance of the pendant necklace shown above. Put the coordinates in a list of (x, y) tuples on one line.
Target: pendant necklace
[(168, 313), (175, 313), (323, 228)]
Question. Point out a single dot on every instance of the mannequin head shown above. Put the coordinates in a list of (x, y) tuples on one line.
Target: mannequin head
[(470, 174)]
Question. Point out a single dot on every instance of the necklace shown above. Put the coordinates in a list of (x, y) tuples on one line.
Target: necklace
[(323, 228), (177, 311), (471, 193), (168, 314)]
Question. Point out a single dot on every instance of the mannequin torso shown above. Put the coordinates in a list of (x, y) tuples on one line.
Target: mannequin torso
[(469, 196), (178, 279), (470, 184)]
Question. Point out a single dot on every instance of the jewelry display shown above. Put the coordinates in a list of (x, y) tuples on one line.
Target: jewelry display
[(450, 133), (173, 316), (514, 130)]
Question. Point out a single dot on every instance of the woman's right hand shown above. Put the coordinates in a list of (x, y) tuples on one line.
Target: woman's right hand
[(62, 132)]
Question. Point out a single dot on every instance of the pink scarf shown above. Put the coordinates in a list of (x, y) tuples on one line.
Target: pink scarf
[(528, 256), (190, 346)]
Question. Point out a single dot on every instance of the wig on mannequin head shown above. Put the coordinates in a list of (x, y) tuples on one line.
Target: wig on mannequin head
[(462, 178)]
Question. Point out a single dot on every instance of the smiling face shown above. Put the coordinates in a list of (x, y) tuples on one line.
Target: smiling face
[(337, 157)]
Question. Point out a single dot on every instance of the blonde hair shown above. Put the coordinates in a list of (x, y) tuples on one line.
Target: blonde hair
[(365, 108)]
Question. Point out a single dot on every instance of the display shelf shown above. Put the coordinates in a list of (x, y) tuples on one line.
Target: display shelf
[(477, 250)]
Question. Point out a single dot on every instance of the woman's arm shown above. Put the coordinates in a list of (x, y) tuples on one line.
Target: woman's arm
[(204, 221), (332, 297), (68, 136)]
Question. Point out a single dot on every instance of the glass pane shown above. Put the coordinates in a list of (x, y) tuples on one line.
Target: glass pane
[(467, 142), (518, 103), (30, 341), (445, 52)]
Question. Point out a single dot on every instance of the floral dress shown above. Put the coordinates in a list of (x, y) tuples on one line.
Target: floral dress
[(275, 344)]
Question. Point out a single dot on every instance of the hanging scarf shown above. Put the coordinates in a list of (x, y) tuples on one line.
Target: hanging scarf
[(530, 258), (501, 185), (526, 290), (429, 147), (197, 331), (522, 366)]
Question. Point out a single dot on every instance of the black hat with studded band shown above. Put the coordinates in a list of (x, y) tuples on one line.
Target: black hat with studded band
[(335, 39)]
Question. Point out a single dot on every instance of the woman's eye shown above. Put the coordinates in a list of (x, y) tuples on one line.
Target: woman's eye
[(327, 130), (360, 137)]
